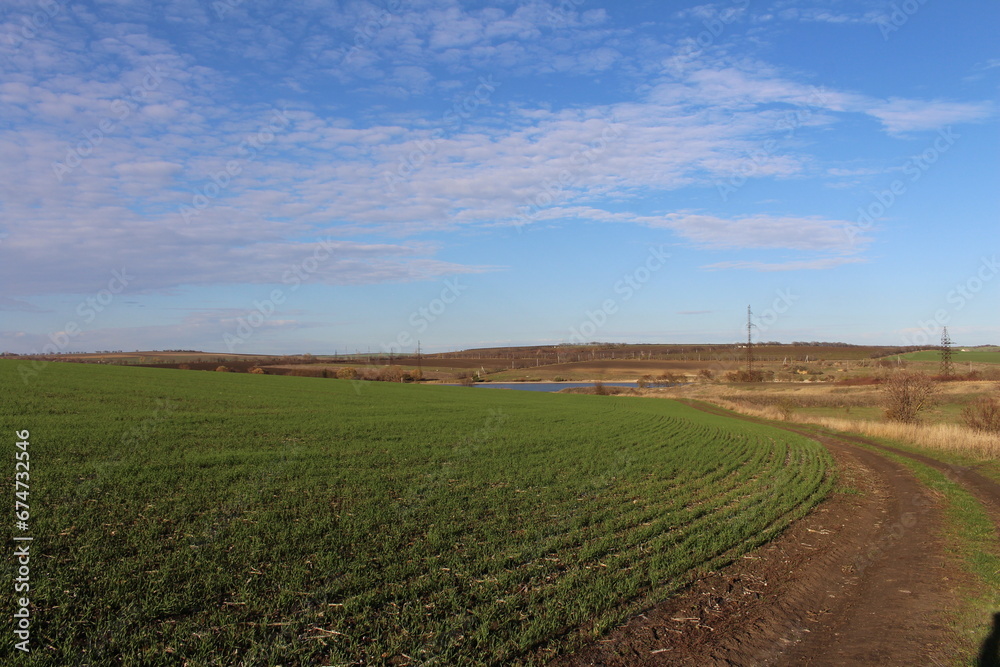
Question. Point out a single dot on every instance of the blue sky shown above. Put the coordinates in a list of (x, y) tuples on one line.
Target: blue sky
[(336, 176)]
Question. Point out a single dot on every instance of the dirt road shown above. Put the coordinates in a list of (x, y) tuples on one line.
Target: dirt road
[(862, 580)]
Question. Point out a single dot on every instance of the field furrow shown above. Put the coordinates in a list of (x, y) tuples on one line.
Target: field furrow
[(305, 522)]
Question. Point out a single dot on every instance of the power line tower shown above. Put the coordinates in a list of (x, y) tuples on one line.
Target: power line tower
[(420, 363), (947, 367), (749, 345)]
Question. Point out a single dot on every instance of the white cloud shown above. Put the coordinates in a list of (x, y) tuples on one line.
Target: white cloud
[(841, 172), (900, 116), (825, 15), (762, 231), (146, 147), (738, 88)]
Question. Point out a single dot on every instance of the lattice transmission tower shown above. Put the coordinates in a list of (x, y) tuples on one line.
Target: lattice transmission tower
[(947, 366)]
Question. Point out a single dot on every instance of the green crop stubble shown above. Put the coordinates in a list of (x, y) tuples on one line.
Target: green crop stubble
[(298, 521)]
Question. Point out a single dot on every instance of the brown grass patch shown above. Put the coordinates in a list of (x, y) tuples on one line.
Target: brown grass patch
[(774, 403)]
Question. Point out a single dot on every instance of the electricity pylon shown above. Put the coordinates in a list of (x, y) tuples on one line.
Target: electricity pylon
[(947, 367)]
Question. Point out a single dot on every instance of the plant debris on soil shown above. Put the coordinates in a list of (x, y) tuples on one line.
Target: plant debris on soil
[(862, 580)]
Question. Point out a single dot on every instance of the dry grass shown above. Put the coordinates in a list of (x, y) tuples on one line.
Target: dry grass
[(951, 437), (773, 404)]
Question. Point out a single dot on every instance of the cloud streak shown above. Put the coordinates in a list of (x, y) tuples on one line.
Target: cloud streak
[(117, 116)]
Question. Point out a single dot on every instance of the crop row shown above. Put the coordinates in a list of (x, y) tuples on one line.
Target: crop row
[(200, 516)]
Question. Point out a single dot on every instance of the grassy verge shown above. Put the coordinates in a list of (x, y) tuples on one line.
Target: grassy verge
[(973, 542), (986, 467)]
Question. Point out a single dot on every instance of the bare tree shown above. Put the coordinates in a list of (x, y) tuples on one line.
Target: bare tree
[(984, 413), (905, 395), (391, 374)]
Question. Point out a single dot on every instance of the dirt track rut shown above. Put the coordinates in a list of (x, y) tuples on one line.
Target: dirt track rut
[(862, 580)]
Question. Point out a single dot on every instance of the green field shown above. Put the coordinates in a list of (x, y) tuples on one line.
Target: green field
[(975, 356), (200, 518)]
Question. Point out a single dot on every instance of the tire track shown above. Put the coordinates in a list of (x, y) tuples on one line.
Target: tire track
[(986, 490), (862, 580)]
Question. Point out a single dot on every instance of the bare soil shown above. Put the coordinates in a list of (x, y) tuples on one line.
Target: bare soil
[(862, 580), (986, 490)]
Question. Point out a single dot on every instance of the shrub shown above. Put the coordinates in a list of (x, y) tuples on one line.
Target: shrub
[(257, 370), (391, 374), (905, 395), (751, 376), (347, 373), (667, 379), (983, 415), (222, 369)]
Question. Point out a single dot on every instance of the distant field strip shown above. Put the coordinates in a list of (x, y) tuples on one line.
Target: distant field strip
[(980, 356), (238, 519)]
